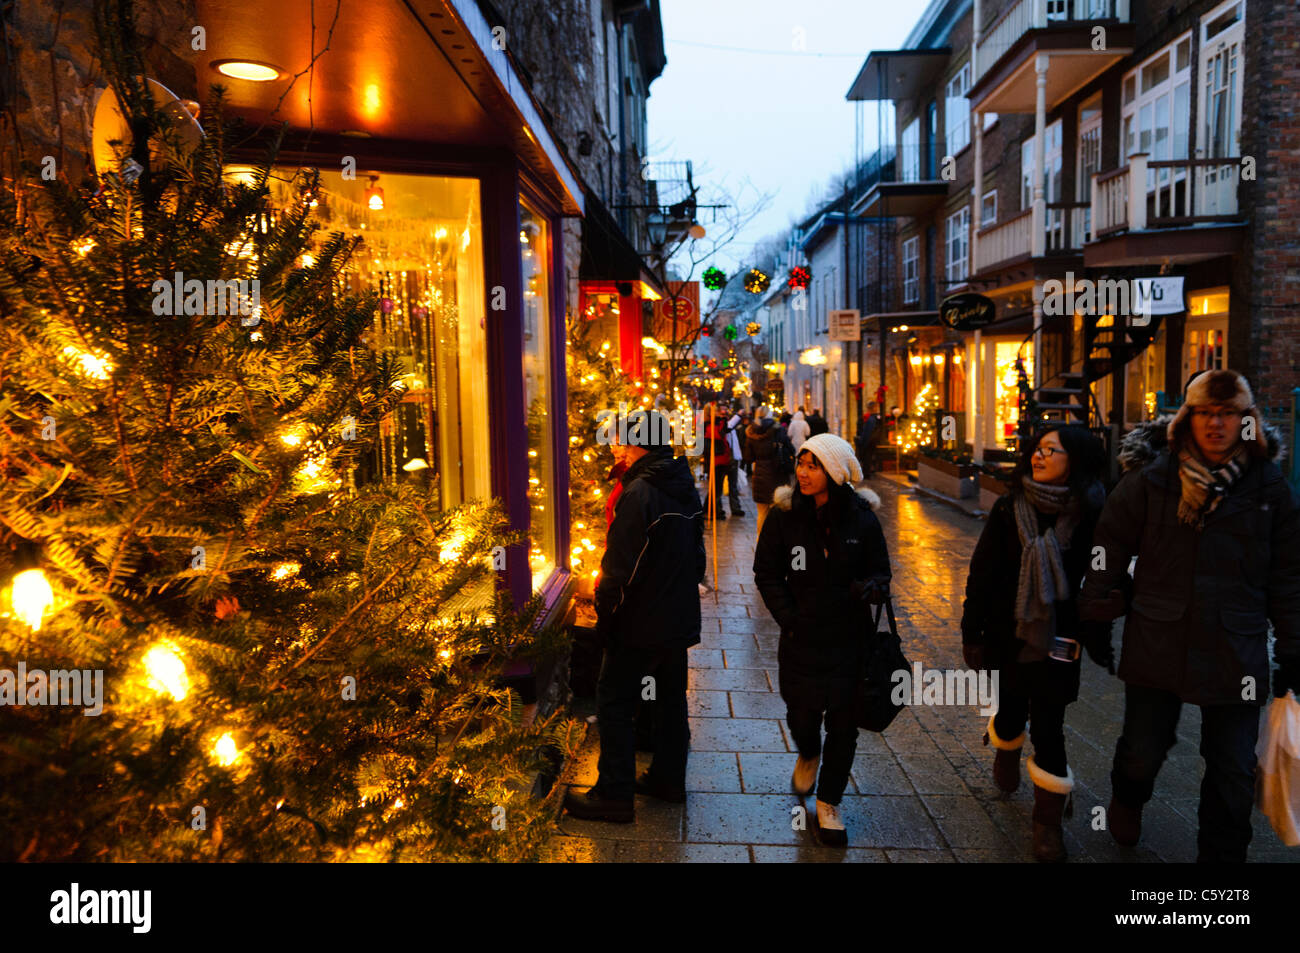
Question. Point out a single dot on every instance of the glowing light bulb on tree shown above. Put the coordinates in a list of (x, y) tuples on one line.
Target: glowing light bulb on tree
[(31, 597)]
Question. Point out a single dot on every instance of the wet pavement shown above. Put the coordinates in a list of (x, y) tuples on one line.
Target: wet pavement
[(920, 792)]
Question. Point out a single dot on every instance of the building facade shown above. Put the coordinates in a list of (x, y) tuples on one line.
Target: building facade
[(1106, 173)]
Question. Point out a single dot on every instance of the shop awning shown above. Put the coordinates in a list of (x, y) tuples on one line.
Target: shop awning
[(423, 72), (895, 319), (608, 256)]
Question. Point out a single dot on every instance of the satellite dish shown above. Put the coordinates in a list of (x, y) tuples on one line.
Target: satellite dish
[(111, 136)]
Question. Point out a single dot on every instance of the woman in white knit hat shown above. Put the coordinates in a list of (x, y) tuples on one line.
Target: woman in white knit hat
[(821, 560)]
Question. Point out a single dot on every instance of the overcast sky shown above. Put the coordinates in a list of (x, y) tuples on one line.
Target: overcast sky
[(754, 91)]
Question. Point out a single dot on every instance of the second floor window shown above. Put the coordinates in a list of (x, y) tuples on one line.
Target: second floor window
[(1052, 161), (989, 209), (1156, 104), (958, 245), (912, 270), (911, 158), (957, 111)]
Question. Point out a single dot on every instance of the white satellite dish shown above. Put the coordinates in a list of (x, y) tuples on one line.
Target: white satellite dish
[(111, 136)]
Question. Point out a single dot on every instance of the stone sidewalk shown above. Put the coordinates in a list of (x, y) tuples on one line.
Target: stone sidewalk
[(921, 791)]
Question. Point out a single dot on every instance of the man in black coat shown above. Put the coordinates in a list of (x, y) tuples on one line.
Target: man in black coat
[(1216, 530), (870, 431), (817, 423), (647, 616)]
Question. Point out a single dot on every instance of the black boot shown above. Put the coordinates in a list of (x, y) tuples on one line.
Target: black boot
[(591, 805), (1051, 799), (1006, 759)]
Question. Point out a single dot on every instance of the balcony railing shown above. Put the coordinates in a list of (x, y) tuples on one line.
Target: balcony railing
[(1004, 241), (1026, 15), (1067, 226), (1169, 193)]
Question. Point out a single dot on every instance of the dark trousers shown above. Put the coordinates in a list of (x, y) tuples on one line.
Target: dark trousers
[(726, 471), (836, 754), (1017, 705), (1228, 737), (618, 691)]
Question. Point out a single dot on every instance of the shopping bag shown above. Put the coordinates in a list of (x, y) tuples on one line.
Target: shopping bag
[(875, 707), (1277, 779), (742, 481)]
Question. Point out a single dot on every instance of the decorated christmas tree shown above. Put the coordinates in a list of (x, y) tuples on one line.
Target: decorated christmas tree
[(284, 673)]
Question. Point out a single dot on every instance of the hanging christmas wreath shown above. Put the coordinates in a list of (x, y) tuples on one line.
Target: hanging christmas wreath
[(730, 332), (756, 282), (800, 276), (715, 279)]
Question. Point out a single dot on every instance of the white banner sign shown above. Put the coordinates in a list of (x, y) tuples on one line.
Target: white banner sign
[(845, 325), (1162, 295)]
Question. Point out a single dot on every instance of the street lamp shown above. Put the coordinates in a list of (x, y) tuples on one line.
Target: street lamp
[(657, 226)]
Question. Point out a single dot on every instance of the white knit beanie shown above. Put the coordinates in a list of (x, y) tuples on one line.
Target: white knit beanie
[(835, 455)]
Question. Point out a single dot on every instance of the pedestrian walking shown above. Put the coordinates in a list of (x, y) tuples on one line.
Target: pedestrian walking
[(816, 423), (1021, 615), (763, 446), (798, 430), (734, 427), (1204, 507), (647, 616), (870, 430), (717, 455), (821, 561)]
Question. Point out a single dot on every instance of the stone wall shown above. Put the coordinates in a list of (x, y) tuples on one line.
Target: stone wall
[(54, 74)]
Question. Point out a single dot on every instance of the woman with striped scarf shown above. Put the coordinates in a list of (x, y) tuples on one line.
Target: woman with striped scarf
[(1021, 615)]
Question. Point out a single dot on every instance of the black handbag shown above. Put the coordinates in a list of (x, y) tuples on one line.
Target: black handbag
[(884, 656)]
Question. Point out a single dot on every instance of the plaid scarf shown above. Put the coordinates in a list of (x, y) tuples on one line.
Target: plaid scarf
[(1042, 567), (1205, 485)]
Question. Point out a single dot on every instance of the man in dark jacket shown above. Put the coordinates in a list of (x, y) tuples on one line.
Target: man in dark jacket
[(869, 433), (817, 423), (647, 616), (1216, 530)]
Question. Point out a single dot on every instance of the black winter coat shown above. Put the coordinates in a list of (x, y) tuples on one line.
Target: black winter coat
[(989, 613), (1202, 599), (761, 450), (824, 624), (648, 591)]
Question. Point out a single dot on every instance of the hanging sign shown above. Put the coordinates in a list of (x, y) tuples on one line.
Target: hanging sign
[(967, 312), (1158, 296), (845, 325)]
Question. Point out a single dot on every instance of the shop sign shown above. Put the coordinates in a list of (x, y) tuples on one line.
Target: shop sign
[(845, 325), (967, 312), (1158, 296)]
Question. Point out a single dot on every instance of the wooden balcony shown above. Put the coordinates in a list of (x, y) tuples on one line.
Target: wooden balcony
[(1187, 207), (1004, 78), (1065, 232)]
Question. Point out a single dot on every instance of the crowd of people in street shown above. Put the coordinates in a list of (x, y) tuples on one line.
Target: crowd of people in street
[(1196, 547)]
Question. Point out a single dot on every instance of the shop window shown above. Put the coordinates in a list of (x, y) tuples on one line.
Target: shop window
[(423, 255), (1146, 376), (534, 245), (1006, 382)]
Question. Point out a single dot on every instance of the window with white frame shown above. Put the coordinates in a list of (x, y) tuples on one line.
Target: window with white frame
[(911, 158), (989, 209), (957, 111), (958, 245), (912, 270), (1221, 40), (1052, 163), (1156, 104)]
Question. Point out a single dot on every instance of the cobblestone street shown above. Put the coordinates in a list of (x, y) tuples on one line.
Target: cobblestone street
[(922, 790)]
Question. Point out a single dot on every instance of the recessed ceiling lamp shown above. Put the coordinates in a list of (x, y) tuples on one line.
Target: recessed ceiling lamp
[(250, 70), (375, 195)]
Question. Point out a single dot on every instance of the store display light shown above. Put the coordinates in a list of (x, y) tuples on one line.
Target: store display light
[(375, 195)]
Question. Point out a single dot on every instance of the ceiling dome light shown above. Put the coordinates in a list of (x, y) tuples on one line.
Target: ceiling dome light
[(375, 195), (247, 69)]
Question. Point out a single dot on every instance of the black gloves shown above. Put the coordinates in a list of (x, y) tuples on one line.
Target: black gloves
[(1286, 677), (1099, 649), (873, 591)]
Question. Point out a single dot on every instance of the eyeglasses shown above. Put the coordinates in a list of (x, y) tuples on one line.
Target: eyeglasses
[(1216, 414), (1046, 452)]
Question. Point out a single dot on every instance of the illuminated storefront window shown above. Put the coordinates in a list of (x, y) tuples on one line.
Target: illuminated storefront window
[(534, 243), (1006, 393), (422, 253)]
